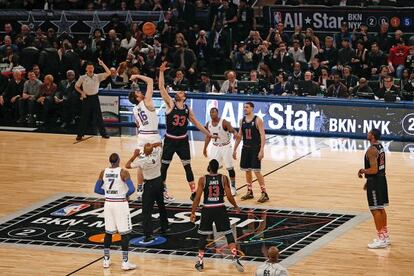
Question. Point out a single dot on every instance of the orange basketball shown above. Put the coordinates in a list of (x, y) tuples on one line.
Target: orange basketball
[(149, 28)]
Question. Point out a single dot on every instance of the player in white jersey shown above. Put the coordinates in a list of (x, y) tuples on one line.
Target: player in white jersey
[(221, 148), (116, 185), (146, 120)]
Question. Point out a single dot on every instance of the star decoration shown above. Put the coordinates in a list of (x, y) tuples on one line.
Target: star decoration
[(31, 22), (260, 114), (128, 19), (64, 25), (96, 23), (308, 20)]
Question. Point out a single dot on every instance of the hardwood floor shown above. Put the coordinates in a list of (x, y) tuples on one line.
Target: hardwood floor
[(35, 167)]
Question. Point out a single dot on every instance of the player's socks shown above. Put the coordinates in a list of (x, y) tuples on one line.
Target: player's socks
[(192, 187), (233, 182), (199, 264), (106, 253), (140, 188), (200, 256), (263, 188), (125, 256), (234, 252)]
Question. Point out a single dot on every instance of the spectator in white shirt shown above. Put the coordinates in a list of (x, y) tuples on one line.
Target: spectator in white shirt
[(128, 42)]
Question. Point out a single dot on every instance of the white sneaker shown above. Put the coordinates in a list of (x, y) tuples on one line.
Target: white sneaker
[(128, 266), (233, 191), (388, 241), (377, 244), (106, 263), (167, 197)]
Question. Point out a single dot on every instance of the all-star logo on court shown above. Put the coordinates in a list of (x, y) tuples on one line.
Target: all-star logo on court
[(78, 222)]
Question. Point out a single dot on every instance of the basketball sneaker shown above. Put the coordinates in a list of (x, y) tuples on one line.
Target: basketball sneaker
[(238, 265), (263, 198), (199, 266), (233, 191), (248, 195), (167, 197), (106, 263), (128, 266), (377, 244), (388, 240)]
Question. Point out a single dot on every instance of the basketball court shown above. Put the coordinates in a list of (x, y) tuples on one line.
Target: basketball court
[(51, 221)]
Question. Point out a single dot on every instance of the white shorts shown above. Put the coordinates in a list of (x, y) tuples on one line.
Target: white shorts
[(117, 217), (223, 154), (147, 138)]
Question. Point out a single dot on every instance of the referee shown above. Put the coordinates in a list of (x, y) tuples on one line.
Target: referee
[(150, 164), (91, 107), (271, 266)]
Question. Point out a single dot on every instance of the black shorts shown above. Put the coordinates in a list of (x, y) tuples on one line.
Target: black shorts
[(171, 146), (377, 192), (249, 160), (219, 216)]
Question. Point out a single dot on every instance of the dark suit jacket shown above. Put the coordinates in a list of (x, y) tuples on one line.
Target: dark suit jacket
[(381, 92), (202, 86), (13, 89), (285, 65), (65, 92), (118, 83), (338, 92), (279, 90), (190, 59), (71, 61)]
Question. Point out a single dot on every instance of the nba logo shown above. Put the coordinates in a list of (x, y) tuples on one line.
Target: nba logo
[(209, 105), (70, 210), (277, 17)]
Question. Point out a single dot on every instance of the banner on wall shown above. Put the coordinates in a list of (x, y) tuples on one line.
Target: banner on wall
[(303, 118), (110, 108), (329, 19)]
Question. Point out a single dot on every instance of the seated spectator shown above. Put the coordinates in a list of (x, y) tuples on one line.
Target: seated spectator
[(345, 54), (11, 94), (389, 90), (309, 50), (337, 89), (324, 79), (241, 58), (315, 40), (409, 61), (179, 82), (408, 88), (283, 87), (7, 42), (315, 68), (298, 35), (383, 39), (343, 33), (113, 81), (262, 86), (297, 74), (297, 52), (397, 57), (122, 71), (376, 59), (230, 84), (128, 42), (28, 99), (307, 86), (362, 35), (68, 100), (349, 79), (362, 90), (282, 60), (46, 97), (185, 59), (207, 85), (253, 41), (405, 80), (271, 266), (360, 60), (328, 54), (266, 74), (262, 55)]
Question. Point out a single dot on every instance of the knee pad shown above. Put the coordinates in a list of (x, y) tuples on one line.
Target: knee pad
[(202, 242), (230, 238), (189, 173), (232, 173)]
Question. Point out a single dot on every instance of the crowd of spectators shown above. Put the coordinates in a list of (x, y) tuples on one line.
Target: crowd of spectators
[(40, 67)]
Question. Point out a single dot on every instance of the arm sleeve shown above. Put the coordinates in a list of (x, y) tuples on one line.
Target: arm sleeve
[(102, 76), (98, 187), (79, 81), (131, 188)]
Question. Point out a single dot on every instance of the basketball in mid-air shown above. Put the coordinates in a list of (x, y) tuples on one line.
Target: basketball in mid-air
[(149, 28)]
